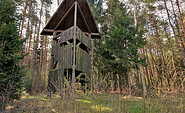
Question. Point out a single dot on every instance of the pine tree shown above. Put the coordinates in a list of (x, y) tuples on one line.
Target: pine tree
[(120, 50), (11, 73)]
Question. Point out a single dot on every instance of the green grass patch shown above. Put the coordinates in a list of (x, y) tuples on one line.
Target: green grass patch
[(99, 103)]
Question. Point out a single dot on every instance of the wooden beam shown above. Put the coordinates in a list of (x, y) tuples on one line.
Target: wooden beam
[(68, 43), (47, 30), (74, 51), (84, 18), (64, 16), (60, 30), (97, 34)]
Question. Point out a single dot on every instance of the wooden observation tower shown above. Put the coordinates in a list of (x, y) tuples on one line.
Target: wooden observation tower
[(73, 29)]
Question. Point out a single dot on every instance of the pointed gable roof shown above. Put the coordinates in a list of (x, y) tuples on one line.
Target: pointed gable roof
[(63, 18)]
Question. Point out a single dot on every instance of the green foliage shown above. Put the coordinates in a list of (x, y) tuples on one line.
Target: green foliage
[(97, 10), (122, 40), (10, 48)]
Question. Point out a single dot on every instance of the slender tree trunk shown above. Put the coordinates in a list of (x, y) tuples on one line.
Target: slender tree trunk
[(149, 69), (176, 39), (129, 84), (160, 48), (155, 65), (30, 36), (45, 48), (171, 47), (25, 60), (154, 62), (23, 19), (58, 2), (172, 53), (120, 83), (33, 53), (41, 56), (162, 56), (178, 30), (143, 84), (181, 18), (36, 45), (146, 69)]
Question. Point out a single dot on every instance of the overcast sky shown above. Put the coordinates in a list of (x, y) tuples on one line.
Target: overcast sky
[(54, 6)]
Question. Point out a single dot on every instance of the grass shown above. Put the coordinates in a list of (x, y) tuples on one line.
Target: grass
[(99, 103)]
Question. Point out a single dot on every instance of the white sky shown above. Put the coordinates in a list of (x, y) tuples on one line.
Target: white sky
[(54, 6)]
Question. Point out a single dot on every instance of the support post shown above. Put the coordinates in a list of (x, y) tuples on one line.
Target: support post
[(74, 51), (92, 65)]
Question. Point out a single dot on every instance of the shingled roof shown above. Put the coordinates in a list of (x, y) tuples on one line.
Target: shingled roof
[(63, 18)]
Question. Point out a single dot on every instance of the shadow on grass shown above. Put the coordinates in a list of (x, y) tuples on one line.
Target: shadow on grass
[(98, 103)]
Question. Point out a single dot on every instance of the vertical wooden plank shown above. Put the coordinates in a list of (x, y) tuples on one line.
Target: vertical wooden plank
[(71, 35), (84, 61), (68, 57), (52, 62), (80, 60), (77, 59), (71, 57), (57, 52), (52, 50), (62, 57), (65, 58), (61, 37)]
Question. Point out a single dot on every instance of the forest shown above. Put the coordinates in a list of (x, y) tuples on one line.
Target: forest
[(137, 66)]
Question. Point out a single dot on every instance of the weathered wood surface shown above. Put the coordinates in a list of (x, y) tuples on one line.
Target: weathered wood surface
[(83, 38), (83, 61), (66, 35), (56, 52), (55, 79), (63, 54), (80, 36), (52, 50), (66, 55)]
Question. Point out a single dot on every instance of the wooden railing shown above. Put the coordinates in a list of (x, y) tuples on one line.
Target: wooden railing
[(80, 36), (83, 61), (64, 55)]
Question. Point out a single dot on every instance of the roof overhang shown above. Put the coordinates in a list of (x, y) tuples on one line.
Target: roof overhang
[(63, 18)]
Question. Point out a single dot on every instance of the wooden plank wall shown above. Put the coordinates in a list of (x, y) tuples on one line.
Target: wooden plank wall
[(83, 61), (69, 33), (66, 35), (56, 52), (53, 75), (83, 38), (56, 79), (66, 56)]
